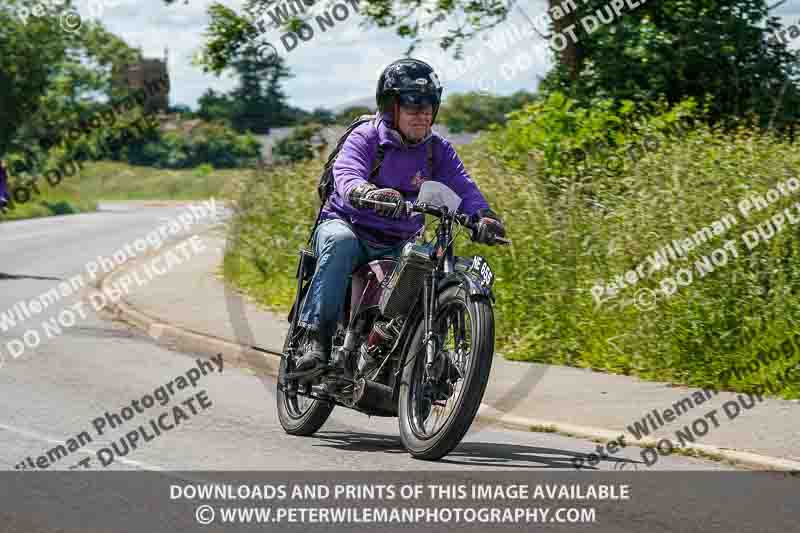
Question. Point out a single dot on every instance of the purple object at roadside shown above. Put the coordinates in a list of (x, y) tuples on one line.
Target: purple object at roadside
[(3, 185)]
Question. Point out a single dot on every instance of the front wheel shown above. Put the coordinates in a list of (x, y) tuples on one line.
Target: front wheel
[(299, 415), (437, 404)]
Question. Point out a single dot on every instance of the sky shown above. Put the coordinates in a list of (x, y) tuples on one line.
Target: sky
[(340, 65)]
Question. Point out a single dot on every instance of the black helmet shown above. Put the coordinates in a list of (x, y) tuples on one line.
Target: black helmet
[(409, 81)]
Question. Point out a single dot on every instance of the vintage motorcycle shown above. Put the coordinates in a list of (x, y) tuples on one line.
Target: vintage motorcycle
[(415, 339)]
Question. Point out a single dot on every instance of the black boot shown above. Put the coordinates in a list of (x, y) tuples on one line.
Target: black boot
[(317, 352)]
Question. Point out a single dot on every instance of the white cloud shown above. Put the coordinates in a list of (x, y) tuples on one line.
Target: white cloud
[(334, 68)]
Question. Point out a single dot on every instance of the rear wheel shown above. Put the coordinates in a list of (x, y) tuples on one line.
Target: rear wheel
[(298, 414), (438, 404)]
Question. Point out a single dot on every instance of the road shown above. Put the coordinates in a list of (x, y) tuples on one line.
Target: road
[(60, 389)]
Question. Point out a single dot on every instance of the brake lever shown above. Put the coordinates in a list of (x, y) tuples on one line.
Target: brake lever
[(496, 240)]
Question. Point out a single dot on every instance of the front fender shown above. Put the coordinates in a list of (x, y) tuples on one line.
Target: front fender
[(470, 282)]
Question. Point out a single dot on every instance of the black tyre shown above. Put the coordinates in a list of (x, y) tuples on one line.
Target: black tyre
[(299, 415), (466, 328)]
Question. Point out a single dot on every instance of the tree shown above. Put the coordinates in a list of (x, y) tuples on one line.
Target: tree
[(29, 53), (564, 19), (214, 106), (258, 103), (475, 111), (50, 79), (259, 97), (679, 49), (80, 79)]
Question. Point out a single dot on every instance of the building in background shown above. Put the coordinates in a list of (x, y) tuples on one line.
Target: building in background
[(150, 75)]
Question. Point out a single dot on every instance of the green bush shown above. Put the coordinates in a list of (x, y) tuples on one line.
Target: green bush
[(297, 146), (209, 143), (582, 224), (204, 170), (568, 138), (274, 213), (62, 199), (138, 141), (61, 207)]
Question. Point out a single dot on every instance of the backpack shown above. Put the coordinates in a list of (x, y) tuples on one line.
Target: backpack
[(325, 186)]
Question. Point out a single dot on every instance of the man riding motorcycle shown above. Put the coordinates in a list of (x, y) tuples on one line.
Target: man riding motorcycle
[(349, 233)]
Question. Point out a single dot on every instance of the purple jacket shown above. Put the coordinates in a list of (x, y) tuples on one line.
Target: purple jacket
[(3, 184), (404, 168)]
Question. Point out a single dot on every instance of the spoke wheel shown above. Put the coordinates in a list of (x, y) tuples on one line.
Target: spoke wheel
[(438, 403), (437, 391), (298, 414)]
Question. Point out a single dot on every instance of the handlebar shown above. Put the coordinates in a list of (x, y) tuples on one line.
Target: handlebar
[(434, 210)]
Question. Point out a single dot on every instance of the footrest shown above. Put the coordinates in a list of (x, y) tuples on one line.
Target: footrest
[(307, 375)]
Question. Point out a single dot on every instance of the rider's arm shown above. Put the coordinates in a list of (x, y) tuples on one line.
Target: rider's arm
[(450, 171), (352, 167)]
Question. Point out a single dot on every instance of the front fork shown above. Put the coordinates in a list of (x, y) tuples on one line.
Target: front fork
[(431, 348), (446, 261)]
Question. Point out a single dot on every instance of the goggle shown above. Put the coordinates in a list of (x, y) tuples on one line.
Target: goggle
[(417, 99)]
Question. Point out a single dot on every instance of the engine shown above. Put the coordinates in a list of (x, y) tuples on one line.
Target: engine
[(379, 342)]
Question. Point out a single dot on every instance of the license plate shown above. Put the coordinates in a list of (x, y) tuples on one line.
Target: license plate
[(482, 269)]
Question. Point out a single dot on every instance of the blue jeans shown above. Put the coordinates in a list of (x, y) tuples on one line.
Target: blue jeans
[(339, 251)]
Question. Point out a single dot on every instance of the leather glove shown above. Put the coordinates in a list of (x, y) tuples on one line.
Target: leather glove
[(489, 227), (368, 191)]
